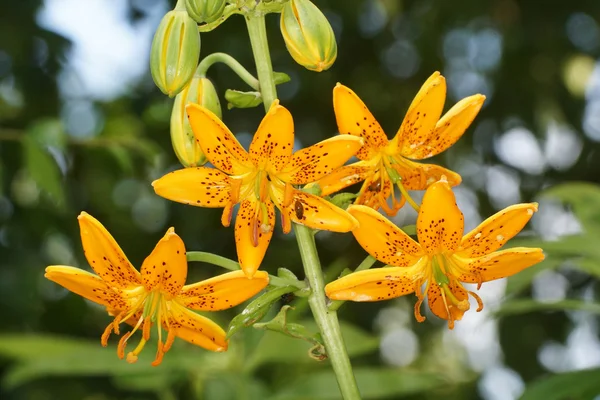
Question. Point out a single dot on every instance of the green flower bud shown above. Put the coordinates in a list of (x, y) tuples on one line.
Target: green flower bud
[(205, 11), (239, 99), (200, 91), (175, 52), (308, 35)]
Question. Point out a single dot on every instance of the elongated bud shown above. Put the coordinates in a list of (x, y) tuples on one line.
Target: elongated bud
[(175, 52), (308, 35), (205, 11), (200, 91)]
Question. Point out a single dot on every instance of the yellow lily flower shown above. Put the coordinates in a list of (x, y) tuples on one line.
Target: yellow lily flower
[(260, 180), (385, 163), (157, 295), (442, 258)]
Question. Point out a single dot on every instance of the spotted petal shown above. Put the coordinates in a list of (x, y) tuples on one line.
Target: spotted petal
[(384, 240), (199, 186), (418, 176), (354, 118), (165, 268), (501, 264), (422, 115), (442, 306), (104, 254), (449, 129), (440, 223), (223, 291), (495, 231), (273, 142), (196, 329), (343, 177), (218, 143), (253, 232), (375, 284), (317, 213), (87, 285), (316, 161)]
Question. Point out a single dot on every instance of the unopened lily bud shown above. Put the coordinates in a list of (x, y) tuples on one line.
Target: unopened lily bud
[(308, 35), (205, 11), (175, 52), (200, 91)]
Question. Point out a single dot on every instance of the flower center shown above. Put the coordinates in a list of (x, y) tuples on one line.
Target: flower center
[(149, 308)]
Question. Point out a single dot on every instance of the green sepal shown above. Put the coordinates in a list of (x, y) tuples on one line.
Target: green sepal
[(239, 99), (257, 309)]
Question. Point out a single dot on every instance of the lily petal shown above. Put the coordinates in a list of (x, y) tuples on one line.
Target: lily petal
[(223, 291), (199, 186), (450, 128), (87, 285), (273, 142), (317, 213), (375, 284), (197, 329), (316, 161), (440, 223), (253, 233), (442, 306), (422, 115), (343, 177), (218, 143), (417, 176), (354, 118), (166, 267), (384, 240), (104, 254), (495, 231), (501, 264)]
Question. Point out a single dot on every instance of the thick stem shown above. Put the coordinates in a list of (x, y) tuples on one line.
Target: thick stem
[(326, 320), (232, 63), (262, 57)]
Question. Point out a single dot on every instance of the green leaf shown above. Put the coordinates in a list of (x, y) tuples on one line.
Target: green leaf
[(584, 197), (358, 342), (48, 132), (43, 169), (524, 306), (374, 383), (578, 385), (523, 279), (39, 356)]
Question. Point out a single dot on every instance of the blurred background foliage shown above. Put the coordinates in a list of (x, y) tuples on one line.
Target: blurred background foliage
[(82, 127)]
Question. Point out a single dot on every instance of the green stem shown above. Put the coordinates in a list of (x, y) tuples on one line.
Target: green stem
[(326, 320), (262, 57), (209, 258), (232, 63), (367, 263)]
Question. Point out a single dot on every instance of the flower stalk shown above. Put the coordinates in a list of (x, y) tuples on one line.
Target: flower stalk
[(327, 321)]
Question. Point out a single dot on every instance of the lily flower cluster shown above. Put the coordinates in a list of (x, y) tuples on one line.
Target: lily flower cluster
[(267, 177)]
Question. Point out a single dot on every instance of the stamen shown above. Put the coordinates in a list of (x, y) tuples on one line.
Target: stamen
[(288, 195), (479, 301), (170, 339), (254, 222), (106, 335), (122, 344), (146, 329), (160, 353), (462, 305), (227, 214), (419, 293), (479, 279), (286, 222)]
